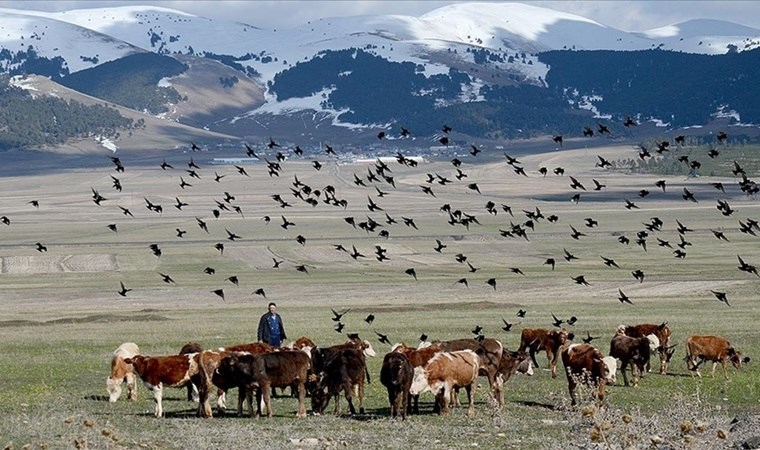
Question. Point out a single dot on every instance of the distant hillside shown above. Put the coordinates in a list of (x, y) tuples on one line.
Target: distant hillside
[(132, 81)]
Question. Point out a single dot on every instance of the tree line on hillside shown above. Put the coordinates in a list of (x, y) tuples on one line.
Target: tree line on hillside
[(33, 122)]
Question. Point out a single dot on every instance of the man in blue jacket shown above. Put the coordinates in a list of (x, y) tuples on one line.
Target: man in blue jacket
[(271, 329)]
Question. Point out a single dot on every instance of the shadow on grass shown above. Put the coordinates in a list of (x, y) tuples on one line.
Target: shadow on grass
[(537, 404)]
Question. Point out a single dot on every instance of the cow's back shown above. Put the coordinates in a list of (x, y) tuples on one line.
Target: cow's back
[(461, 367)]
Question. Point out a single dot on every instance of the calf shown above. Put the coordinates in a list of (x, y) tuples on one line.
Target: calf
[(661, 331), (537, 339), (712, 348), (338, 371), (586, 364), (159, 371), (445, 371), (192, 389), (266, 371), (396, 375), (489, 351), (633, 351), (121, 372), (304, 344), (419, 357)]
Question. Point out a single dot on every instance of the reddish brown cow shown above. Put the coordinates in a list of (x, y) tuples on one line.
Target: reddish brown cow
[(712, 348), (537, 339), (489, 351), (121, 372), (445, 371), (338, 371), (584, 363), (396, 375), (662, 331), (266, 371), (159, 371), (633, 351)]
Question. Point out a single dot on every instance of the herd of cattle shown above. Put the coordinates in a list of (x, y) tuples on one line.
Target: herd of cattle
[(440, 367)]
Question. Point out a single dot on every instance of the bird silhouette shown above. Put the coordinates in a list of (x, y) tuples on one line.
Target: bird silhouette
[(572, 321), (439, 246), (339, 327), (477, 330), (337, 316), (209, 271), (302, 268), (260, 291), (219, 292), (597, 185), (232, 236), (463, 281), (302, 240), (156, 251), (166, 278), (474, 187), (34, 203), (5, 220), (623, 298), (580, 279), (202, 224), (569, 256), (721, 296), (276, 263), (638, 275), (660, 184), (382, 338), (111, 226), (576, 234), (745, 267), (551, 262), (370, 318), (165, 165), (285, 223), (589, 338), (97, 198), (491, 282), (719, 235), (412, 273), (234, 280), (557, 139), (556, 321), (507, 326), (609, 262), (521, 313), (123, 289), (575, 184)]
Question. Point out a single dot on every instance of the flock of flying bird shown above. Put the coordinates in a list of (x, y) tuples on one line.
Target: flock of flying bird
[(381, 182)]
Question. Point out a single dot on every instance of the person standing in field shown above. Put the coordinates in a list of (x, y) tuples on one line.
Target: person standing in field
[(271, 329)]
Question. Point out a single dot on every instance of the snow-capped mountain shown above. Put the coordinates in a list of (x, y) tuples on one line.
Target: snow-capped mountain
[(464, 52)]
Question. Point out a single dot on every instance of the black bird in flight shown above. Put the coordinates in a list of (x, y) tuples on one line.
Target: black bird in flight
[(551, 262), (587, 340), (202, 224), (660, 184), (477, 330), (112, 227), (339, 327), (638, 275), (575, 184), (609, 262), (412, 273), (5, 220), (623, 298), (123, 289), (719, 235), (370, 318), (745, 267), (286, 223), (576, 234), (302, 268), (156, 251), (569, 256), (165, 165), (521, 313), (126, 211), (166, 278), (234, 280), (463, 281), (34, 203), (572, 321), (383, 338), (507, 326), (231, 236), (275, 263), (219, 292), (556, 321), (439, 246), (474, 187), (602, 162), (557, 139), (721, 296), (597, 185), (337, 316), (491, 282), (580, 279), (209, 271), (260, 291), (194, 147)]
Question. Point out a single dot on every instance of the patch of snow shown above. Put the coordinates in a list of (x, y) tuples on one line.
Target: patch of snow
[(106, 143), (165, 82)]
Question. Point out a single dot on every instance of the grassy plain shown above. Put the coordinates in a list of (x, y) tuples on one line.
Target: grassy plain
[(62, 316)]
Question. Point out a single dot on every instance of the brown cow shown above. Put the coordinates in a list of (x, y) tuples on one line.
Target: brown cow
[(584, 363), (396, 375), (266, 371), (207, 377), (159, 371), (121, 372), (712, 348), (445, 371), (192, 389), (662, 331), (489, 351), (537, 339), (338, 371), (633, 351)]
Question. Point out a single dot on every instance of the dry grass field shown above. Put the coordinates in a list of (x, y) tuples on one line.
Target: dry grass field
[(62, 315)]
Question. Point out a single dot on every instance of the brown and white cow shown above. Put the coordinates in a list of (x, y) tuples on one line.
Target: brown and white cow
[(396, 375), (419, 357), (712, 348), (343, 370), (536, 339), (266, 371), (445, 371), (489, 351), (585, 364), (662, 331), (633, 351), (121, 372), (159, 371)]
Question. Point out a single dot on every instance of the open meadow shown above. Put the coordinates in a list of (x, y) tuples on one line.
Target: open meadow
[(62, 314)]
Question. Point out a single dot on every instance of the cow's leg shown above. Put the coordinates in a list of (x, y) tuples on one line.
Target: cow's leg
[(600, 392), (571, 385), (623, 367), (714, 366), (221, 402), (204, 406), (158, 393), (663, 362), (498, 390), (131, 380), (446, 400), (724, 363), (552, 357), (360, 393), (266, 388), (470, 388), (532, 353), (392, 400)]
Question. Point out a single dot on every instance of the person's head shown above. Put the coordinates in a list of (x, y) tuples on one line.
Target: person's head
[(272, 307)]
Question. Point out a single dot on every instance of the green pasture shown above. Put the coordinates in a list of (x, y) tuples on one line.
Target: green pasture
[(62, 316)]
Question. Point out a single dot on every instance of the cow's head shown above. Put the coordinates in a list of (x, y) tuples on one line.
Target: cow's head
[(560, 336), (620, 331), (367, 349), (320, 398), (419, 382), (608, 368), (525, 365), (736, 357)]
